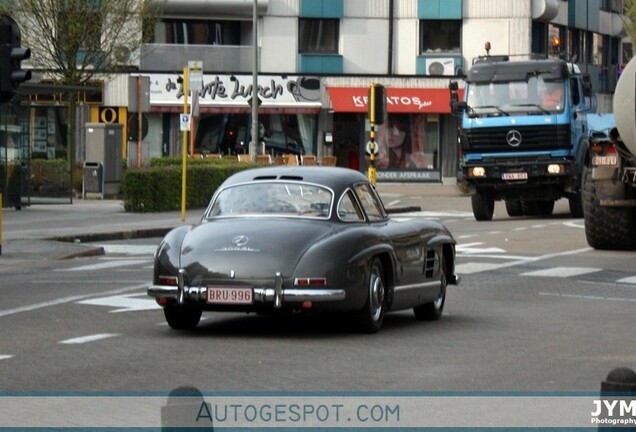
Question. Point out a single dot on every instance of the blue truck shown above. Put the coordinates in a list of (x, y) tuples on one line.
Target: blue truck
[(524, 134)]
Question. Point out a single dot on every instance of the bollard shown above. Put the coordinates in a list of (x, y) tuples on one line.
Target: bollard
[(620, 380), (617, 401)]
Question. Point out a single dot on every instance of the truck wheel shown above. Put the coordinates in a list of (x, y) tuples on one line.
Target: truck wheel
[(513, 208), (608, 228), (530, 207), (483, 205), (545, 207), (576, 205)]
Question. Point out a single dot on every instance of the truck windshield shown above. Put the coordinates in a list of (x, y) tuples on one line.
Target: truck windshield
[(534, 96)]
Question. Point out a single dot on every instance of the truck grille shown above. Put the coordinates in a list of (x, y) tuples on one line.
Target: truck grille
[(532, 138)]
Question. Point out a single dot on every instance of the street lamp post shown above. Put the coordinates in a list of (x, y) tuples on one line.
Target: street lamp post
[(254, 138)]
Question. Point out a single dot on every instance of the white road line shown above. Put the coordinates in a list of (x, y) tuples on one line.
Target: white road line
[(588, 297), (562, 272), (89, 338), (124, 303), (63, 300), (104, 265), (475, 267), (628, 280), (5, 356), (129, 249)]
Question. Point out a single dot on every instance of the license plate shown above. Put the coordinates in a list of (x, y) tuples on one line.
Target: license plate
[(515, 176), (604, 160), (230, 295)]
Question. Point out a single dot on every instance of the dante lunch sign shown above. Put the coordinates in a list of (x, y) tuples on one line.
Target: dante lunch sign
[(236, 91)]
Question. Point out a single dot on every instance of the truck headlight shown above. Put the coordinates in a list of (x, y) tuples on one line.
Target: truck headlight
[(556, 169), (477, 172)]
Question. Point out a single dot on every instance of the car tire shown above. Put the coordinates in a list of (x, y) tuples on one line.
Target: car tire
[(182, 317), (369, 319), (433, 311)]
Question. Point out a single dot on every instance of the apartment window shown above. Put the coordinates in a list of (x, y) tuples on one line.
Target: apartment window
[(440, 36), (318, 36), (198, 32)]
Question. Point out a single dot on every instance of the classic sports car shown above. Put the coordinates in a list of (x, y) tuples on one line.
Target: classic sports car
[(302, 238)]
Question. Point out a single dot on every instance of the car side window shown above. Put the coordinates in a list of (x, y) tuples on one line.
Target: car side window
[(348, 209), (370, 203)]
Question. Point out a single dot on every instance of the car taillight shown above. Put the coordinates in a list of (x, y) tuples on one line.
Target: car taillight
[(310, 281), (168, 280)]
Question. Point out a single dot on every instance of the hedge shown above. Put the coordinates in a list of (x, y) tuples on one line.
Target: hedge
[(158, 188)]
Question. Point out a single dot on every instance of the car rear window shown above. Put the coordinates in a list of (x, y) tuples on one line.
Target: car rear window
[(272, 199)]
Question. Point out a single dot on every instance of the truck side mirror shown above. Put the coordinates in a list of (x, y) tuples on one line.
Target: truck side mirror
[(457, 106)]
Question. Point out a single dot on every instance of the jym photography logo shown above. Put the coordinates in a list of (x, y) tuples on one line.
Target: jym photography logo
[(614, 412)]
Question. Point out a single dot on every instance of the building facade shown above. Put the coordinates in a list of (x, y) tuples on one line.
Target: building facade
[(316, 61)]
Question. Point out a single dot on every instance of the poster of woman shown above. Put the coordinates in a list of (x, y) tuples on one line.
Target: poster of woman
[(399, 144)]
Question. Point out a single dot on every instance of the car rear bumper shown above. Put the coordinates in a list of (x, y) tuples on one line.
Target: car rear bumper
[(261, 295)]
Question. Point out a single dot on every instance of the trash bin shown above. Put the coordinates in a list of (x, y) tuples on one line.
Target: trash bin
[(93, 179)]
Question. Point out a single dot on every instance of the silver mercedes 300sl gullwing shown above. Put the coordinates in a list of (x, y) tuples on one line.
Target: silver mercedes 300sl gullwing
[(285, 239)]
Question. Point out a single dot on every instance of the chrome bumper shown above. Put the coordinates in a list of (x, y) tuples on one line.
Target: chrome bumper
[(261, 295), (277, 294)]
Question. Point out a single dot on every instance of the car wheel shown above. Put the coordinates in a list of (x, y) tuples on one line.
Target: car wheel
[(433, 311), (182, 317), (370, 317)]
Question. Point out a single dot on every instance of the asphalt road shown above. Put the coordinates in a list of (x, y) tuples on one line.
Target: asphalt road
[(537, 310)]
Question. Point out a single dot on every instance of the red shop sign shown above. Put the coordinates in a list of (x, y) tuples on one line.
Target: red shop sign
[(399, 100)]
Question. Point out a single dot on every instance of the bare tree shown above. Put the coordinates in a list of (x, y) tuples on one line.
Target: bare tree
[(77, 40)]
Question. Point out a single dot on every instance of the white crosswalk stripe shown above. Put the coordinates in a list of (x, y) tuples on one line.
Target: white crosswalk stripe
[(562, 272)]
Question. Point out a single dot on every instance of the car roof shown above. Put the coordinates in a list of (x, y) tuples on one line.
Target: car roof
[(335, 178)]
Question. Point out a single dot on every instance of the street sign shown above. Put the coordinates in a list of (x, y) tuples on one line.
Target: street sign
[(185, 122), (195, 75)]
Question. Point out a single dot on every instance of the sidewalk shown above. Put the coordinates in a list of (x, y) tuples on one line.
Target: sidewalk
[(35, 231)]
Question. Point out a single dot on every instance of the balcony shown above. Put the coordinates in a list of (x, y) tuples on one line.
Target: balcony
[(215, 58)]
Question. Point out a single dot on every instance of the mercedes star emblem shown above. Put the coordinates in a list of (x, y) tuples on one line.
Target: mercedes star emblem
[(514, 138), (240, 241)]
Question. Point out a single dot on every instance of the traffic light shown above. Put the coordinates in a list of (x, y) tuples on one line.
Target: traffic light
[(11, 54), (377, 103)]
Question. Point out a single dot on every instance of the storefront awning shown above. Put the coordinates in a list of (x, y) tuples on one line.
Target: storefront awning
[(399, 100)]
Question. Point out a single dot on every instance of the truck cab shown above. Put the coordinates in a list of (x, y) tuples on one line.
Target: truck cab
[(523, 126)]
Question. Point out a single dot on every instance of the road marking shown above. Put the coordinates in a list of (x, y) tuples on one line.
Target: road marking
[(89, 338), (588, 297), (628, 280), (470, 248), (129, 249), (104, 265), (490, 266), (474, 267), (562, 272), (5, 356), (63, 300), (124, 303)]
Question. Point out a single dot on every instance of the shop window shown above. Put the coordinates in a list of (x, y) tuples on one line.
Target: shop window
[(198, 32), (440, 36), (318, 36), (280, 133), (408, 141)]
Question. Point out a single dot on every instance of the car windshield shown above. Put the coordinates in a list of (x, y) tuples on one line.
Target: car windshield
[(273, 199)]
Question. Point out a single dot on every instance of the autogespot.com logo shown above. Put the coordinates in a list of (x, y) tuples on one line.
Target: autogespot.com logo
[(614, 412)]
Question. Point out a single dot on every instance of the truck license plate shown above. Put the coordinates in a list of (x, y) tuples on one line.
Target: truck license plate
[(604, 160), (230, 295), (515, 176)]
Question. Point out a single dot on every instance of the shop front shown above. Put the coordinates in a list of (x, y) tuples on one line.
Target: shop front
[(416, 142), (287, 114)]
